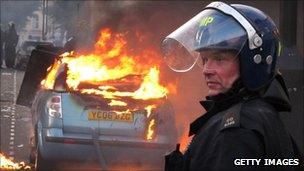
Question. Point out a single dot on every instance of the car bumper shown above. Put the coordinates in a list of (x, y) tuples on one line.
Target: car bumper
[(123, 150)]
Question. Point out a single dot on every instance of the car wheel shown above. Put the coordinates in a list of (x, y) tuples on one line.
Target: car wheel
[(40, 163), (32, 156)]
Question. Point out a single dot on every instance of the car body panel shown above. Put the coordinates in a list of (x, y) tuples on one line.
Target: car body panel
[(116, 151), (75, 119), (71, 138)]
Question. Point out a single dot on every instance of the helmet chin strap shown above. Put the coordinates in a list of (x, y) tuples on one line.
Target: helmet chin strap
[(255, 40)]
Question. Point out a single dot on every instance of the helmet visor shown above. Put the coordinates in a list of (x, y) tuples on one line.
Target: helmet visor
[(208, 30)]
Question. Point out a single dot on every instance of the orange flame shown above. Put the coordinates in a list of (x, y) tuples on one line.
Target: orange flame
[(149, 109), (110, 61), (117, 103), (184, 141), (113, 71), (7, 164), (150, 129), (150, 88), (123, 112)]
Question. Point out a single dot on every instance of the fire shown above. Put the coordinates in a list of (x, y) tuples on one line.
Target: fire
[(7, 164), (110, 61), (149, 109), (121, 112), (117, 103), (150, 129), (113, 71), (49, 82), (184, 141), (150, 88)]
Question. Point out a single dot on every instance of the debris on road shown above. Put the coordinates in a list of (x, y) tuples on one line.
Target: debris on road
[(21, 145)]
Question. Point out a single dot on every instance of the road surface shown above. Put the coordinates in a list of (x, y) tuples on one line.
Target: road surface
[(15, 119)]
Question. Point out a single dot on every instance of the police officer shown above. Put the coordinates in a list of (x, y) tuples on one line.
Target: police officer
[(237, 47)]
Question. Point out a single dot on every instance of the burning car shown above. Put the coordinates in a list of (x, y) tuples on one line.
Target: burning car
[(107, 106)]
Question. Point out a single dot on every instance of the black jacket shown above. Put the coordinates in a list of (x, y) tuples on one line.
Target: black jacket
[(242, 125)]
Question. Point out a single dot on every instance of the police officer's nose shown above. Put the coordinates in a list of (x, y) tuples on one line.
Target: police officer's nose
[(208, 73), (208, 68)]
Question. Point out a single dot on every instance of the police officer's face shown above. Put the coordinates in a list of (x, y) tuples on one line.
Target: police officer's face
[(221, 70)]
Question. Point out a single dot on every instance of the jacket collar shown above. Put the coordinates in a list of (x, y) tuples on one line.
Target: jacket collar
[(277, 95), (218, 103)]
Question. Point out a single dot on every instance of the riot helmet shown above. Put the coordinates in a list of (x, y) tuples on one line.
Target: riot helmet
[(244, 29)]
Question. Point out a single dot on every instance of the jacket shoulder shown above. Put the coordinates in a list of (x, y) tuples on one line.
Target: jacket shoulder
[(258, 110), (257, 114), (251, 114), (257, 105)]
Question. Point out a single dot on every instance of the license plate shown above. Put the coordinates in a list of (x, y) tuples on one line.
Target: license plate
[(110, 116)]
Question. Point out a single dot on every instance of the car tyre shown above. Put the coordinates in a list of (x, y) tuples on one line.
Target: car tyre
[(32, 156), (40, 163)]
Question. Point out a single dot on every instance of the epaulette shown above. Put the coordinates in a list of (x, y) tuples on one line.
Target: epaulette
[(231, 117)]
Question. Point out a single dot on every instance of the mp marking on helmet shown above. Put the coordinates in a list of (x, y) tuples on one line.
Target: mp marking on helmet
[(205, 21)]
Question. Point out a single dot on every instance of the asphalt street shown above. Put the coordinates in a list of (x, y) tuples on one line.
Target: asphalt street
[(15, 119)]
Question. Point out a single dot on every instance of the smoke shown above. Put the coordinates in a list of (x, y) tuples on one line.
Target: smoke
[(17, 12), (156, 20), (191, 90)]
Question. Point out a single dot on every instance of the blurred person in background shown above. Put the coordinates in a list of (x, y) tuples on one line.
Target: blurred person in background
[(1, 46), (11, 40)]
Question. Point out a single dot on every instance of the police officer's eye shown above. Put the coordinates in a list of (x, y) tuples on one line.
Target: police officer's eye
[(204, 60), (219, 58)]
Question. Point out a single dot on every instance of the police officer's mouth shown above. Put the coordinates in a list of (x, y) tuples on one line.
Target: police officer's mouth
[(212, 84)]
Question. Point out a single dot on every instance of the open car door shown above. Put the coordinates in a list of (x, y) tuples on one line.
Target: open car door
[(41, 58)]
